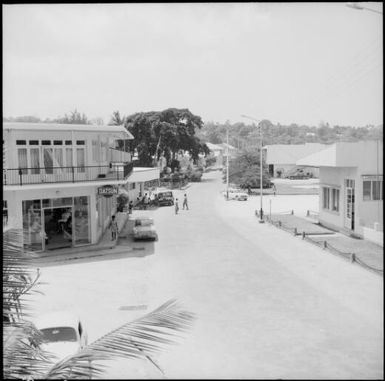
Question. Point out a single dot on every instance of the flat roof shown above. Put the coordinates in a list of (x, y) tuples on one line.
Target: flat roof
[(65, 127)]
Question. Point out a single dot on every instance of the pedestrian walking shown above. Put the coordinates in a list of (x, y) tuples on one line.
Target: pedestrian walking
[(274, 189), (130, 207), (176, 206), (185, 201), (146, 201), (114, 228)]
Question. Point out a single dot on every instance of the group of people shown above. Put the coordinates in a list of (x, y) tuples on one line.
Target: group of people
[(145, 200), (185, 204)]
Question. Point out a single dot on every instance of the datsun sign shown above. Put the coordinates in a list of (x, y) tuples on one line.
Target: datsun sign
[(107, 190)]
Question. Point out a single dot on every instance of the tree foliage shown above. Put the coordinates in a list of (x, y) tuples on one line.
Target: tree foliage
[(245, 170), (243, 135), (164, 133)]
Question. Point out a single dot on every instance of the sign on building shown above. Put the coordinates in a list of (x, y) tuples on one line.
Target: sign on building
[(107, 190)]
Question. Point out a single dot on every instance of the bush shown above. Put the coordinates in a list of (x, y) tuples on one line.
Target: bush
[(122, 201)]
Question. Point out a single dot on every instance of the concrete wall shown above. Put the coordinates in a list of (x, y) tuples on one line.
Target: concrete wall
[(331, 176), (374, 236)]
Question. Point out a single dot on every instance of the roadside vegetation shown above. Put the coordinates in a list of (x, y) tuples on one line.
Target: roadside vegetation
[(243, 136), (23, 357)]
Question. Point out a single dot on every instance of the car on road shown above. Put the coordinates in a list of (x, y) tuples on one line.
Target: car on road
[(63, 333), (144, 229), (235, 194), (164, 197), (298, 174)]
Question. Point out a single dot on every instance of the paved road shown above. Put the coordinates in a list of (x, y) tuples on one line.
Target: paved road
[(268, 305)]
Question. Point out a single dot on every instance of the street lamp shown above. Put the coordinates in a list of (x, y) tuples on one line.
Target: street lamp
[(261, 220), (227, 163), (360, 7)]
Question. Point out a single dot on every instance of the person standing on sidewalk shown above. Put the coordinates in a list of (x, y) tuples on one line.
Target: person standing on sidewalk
[(185, 201), (114, 228), (130, 207), (274, 189), (146, 201), (176, 206)]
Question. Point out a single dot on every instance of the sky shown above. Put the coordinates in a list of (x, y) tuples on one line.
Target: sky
[(303, 63)]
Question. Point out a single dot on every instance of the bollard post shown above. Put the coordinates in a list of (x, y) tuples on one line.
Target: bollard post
[(352, 257), (325, 244), (295, 231), (303, 235)]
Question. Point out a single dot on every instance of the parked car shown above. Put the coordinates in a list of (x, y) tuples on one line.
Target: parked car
[(144, 229), (236, 194), (298, 174), (63, 333), (164, 197)]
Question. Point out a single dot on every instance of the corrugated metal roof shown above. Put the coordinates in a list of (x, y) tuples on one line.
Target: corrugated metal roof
[(214, 147)]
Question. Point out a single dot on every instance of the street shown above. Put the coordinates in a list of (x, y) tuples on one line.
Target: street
[(268, 305)]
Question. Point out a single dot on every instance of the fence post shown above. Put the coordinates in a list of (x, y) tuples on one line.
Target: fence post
[(303, 235), (325, 244), (21, 176), (352, 257), (295, 231)]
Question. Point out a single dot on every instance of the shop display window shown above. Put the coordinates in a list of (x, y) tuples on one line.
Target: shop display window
[(32, 229), (82, 224)]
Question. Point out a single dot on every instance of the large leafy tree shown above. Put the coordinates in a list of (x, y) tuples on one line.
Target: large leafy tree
[(245, 170), (165, 132), (23, 357)]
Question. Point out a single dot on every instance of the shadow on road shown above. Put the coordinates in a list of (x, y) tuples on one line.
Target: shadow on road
[(126, 248)]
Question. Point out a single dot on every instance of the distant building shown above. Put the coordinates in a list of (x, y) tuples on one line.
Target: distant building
[(351, 184), (282, 158)]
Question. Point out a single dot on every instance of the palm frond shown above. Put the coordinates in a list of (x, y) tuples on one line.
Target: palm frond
[(137, 339), (18, 279), (22, 356)]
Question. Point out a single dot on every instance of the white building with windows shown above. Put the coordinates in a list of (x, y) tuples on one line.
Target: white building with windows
[(60, 182), (351, 184)]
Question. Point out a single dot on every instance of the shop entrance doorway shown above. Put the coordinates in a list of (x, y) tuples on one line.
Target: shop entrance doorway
[(58, 228)]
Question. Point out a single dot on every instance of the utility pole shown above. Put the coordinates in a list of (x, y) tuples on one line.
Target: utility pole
[(227, 163), (261, 220)]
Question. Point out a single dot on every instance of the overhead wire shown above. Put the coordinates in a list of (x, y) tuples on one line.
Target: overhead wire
[(359, 64)]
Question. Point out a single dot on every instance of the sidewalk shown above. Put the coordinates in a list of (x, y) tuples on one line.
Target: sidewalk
[(366, 253)]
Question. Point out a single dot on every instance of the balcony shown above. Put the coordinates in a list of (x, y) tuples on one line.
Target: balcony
[(49, 175)]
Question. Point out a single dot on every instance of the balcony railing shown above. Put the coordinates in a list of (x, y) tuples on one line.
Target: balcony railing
[(47, 175)]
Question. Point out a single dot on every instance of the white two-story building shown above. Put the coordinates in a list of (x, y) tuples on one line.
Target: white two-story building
[(60, 182)]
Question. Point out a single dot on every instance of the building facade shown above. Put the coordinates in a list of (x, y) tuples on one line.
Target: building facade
[(61, 182), (282, 158), (351, 188)]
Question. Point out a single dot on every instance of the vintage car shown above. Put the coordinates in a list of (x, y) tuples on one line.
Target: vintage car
[(164, 197), (63, 333), (144, 229), (235, 194)]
